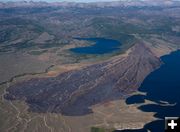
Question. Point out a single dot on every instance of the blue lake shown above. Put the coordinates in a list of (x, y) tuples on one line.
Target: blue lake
[(161, 86), (99, 46)]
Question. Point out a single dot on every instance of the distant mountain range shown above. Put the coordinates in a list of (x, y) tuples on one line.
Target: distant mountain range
[(124, 3)]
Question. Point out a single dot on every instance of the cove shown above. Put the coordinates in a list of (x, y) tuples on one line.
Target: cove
[(162, 87), (100, 46)]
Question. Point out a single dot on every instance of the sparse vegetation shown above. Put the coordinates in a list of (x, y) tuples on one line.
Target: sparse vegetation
[(151, 31), (96, 129)]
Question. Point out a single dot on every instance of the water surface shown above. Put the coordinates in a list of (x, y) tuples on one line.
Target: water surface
[(99, 46), (162, 87)]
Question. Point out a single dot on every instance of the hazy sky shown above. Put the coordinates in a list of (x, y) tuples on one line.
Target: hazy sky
[(63, 0)]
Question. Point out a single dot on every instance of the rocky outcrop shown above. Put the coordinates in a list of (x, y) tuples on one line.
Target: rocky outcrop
[(74, 92)]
